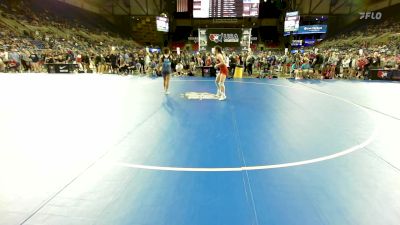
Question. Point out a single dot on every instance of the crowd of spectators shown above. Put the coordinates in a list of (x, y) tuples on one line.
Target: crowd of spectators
[(351, 55), (29, 40), (328, 64)]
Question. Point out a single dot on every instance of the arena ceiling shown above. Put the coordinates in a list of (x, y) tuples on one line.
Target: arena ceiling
[(122, 7), (156, 7)]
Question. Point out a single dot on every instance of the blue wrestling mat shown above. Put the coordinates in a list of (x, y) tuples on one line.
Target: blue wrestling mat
[(111, 150)]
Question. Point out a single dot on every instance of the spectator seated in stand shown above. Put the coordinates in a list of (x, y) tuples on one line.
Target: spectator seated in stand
[(179, 69), (306, 70)]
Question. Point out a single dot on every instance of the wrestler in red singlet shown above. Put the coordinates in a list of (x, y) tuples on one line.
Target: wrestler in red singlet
[(223, 68), (220, 79)]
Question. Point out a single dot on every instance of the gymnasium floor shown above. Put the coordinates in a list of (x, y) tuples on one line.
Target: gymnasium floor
[(112, 150)]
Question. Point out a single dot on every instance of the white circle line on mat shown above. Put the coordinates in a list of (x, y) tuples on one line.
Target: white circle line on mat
[(261, 167)]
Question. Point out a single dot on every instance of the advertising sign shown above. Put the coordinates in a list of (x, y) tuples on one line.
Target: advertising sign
[(312, 29), (234, 39), (297, 43), (292, 21), (223, 37), (309, 42), (162, 24)]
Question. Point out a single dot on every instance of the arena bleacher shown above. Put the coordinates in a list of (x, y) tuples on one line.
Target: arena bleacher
[(56, 32)]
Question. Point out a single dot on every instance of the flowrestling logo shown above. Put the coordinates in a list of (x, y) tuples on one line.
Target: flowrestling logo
[(370, 15), (228, 38)]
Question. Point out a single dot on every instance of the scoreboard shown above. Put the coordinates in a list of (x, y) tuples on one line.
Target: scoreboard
[(225, 8)]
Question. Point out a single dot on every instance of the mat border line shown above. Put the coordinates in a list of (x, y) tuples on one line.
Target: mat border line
[(262, 167)]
